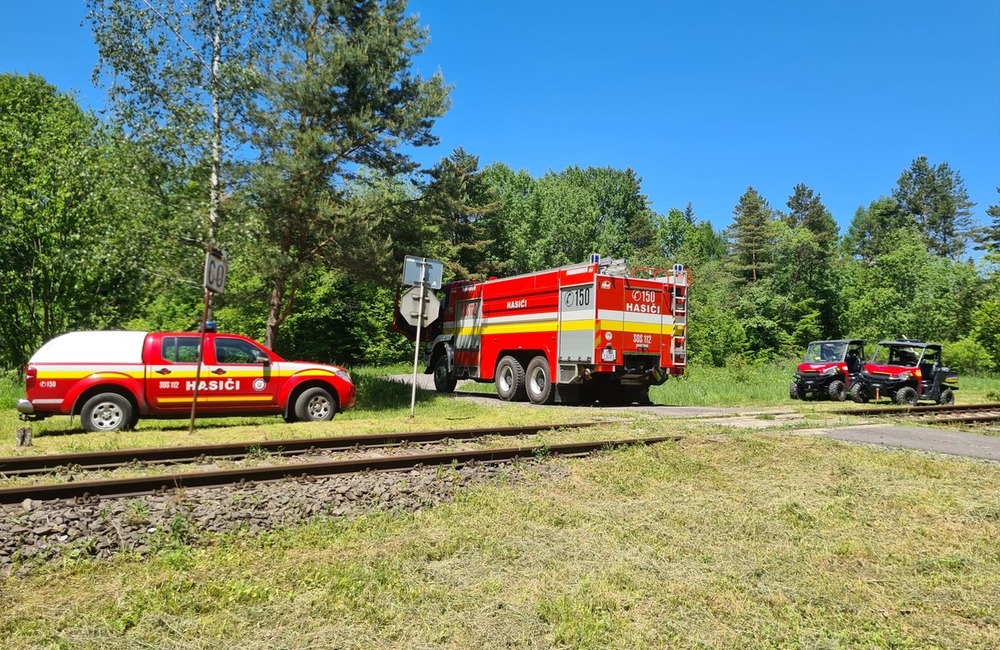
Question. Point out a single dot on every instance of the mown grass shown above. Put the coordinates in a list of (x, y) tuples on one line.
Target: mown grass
[(720, 541), (729, 539)]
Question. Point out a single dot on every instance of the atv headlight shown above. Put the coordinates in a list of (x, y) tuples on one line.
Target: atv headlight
[(903, 376), (832, 370)]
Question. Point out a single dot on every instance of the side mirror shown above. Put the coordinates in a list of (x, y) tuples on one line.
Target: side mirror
[(263, 359)]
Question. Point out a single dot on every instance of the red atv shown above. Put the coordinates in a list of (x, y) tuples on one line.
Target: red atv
[(906, 371), (829, 369)]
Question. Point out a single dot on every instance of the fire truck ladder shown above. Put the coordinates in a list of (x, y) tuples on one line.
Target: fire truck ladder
[(679, 308)]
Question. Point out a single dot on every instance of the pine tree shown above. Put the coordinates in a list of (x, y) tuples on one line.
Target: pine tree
[(751, 236), (936, 198), (460, 203), (989, 237)]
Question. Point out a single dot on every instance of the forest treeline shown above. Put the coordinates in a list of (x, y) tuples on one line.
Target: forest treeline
[(293, 153)]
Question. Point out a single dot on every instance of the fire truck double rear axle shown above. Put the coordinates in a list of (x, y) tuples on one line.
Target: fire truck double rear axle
[(595, 331)]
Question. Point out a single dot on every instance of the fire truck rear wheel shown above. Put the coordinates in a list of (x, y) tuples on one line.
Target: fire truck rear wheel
[(315, 405), (107, 412), (538, 383), (510, 380), (444, 381)]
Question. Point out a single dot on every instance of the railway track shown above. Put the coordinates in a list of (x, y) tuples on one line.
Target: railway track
[(964, 414), (99, 460), (143, 485)]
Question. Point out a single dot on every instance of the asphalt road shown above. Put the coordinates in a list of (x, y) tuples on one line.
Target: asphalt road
[(943, 441)]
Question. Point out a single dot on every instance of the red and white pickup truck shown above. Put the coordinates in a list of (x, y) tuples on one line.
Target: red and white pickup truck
[(111, 379)]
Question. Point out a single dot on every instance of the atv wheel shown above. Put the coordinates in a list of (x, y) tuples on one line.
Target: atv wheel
[(837, 390), (859, 394), (946, 397), (906, 396), (793, 390)]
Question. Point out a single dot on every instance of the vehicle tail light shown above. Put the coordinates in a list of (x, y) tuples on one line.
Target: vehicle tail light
[(30, 377)]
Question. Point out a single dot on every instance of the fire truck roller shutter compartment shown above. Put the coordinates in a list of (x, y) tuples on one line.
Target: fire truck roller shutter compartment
[(468, 333), (577, 323)]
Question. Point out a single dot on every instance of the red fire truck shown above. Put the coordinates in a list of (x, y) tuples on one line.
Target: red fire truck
[(596, 331)]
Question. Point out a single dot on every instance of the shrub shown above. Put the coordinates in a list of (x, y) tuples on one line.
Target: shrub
[(968, 356)]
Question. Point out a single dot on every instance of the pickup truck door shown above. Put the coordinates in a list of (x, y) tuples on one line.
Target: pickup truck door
[(171, 365), (239, 376)]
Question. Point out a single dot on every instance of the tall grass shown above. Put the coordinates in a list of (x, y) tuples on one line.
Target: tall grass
[(11, 390), (739, 383)]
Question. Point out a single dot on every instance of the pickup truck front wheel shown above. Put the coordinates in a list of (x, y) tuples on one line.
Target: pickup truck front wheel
[(107, 412), (315, 405)]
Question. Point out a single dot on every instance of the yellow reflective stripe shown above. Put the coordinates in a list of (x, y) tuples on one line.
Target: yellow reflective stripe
[(578, 326), (89, 373), (583, 325), (224, 398), (618, 326), (508, 328)]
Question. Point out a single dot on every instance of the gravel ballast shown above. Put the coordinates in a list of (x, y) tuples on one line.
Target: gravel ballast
[(37, 532)]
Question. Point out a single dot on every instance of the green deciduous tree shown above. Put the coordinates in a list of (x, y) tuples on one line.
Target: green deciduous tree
[(181, 75), (872, 229), (565, 216), (71, 209), (986, 329), (805, 246), (907, 291)]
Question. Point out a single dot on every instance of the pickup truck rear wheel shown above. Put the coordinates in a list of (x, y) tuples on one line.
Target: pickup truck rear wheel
[(315, 405), (107, 412)]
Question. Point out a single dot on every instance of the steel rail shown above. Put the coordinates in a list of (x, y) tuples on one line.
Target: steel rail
[(135, 486), (895, 410), (966, 419), (47, 463)]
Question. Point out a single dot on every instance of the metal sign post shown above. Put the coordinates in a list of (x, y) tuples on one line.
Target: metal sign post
[(416, 352), (424, 274), (215, 282)]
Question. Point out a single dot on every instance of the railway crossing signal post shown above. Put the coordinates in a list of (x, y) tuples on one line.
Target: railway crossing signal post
[(216, 268), (423, 274)]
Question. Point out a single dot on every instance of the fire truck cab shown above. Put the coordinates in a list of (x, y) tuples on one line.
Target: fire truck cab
[(596, 331)]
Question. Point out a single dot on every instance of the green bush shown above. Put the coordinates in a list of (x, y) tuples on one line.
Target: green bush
[(968, 356)]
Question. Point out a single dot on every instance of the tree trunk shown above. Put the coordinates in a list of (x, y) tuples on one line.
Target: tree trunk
[(274, 315)]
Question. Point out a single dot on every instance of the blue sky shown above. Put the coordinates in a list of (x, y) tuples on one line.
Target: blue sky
[(701, 99)]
